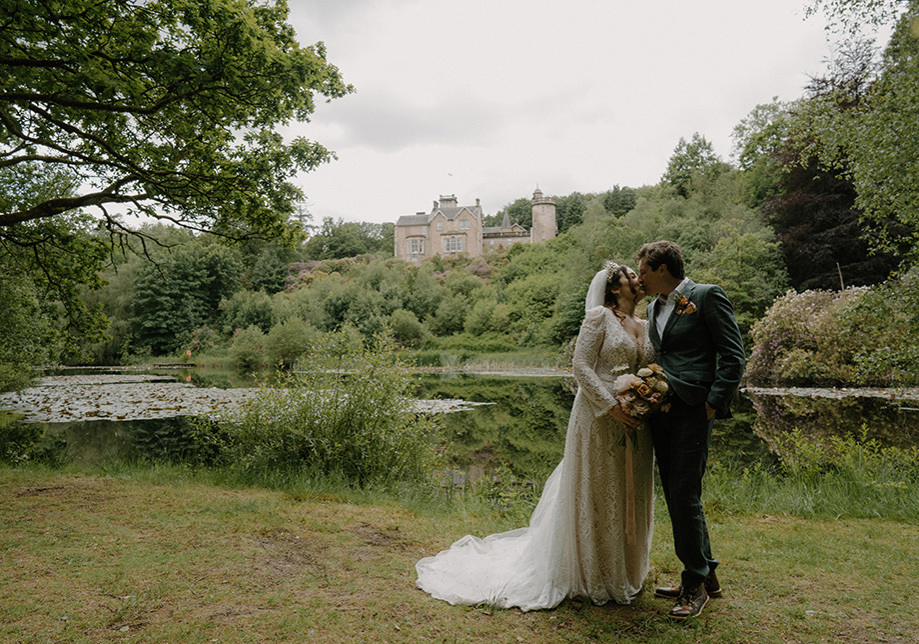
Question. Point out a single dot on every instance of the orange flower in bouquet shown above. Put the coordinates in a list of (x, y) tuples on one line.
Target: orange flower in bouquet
[(644, 392)]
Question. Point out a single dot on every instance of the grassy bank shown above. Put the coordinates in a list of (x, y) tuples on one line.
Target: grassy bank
[(164, 555)]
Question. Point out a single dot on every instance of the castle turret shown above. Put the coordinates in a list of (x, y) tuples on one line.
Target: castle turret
[(545, 225)]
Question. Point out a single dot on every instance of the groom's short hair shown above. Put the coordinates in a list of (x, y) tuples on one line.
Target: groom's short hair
[(663, 252)]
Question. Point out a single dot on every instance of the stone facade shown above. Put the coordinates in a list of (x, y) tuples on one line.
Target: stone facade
[(450, 229)]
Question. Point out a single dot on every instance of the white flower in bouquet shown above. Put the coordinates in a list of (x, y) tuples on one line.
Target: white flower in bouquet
[(644, 392)]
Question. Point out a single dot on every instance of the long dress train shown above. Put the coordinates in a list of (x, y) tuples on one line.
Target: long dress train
[(575, 544)]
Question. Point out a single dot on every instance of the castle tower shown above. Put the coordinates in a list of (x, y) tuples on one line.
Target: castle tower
[(544, 224)]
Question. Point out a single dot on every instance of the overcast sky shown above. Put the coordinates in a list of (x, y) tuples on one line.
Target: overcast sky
[(491, 98)]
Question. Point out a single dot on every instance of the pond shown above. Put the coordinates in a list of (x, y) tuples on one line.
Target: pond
[(492, 421)]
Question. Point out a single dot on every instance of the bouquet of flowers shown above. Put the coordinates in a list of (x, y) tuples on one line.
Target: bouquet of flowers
[(644, 392)]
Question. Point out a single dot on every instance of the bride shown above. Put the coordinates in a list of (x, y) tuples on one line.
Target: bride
[(576, 544)]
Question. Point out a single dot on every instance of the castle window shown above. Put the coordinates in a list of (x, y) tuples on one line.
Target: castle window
[(424, 230), (453, 244), (415, 246), (464, 224), (440, 225)]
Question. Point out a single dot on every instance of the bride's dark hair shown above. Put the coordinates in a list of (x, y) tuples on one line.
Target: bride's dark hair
[(614, 273)]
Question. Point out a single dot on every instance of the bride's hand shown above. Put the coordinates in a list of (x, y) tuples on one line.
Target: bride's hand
[(631, 423)]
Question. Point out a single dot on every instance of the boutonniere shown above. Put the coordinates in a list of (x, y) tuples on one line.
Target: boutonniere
[(684, 306)]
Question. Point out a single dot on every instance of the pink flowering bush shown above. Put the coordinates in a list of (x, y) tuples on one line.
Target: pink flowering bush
[(864, 336), (802, 340)]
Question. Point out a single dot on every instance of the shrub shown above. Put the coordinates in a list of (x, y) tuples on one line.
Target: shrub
[(406, 328), (345, 414), (28, 442), (248, 349), (479, 319), (288, 341), (887, 320), (859, 336), (802, 340), (245, 309), (469, 345), (450, 316), (204, 339)]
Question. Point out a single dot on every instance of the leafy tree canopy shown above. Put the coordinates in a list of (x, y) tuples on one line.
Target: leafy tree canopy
[(165, 107), (862, 119), (518, 211), (340, 239), (691, 159), (852, 16)]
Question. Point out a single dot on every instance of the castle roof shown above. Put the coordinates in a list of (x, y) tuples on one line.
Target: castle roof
[(413, 220), (449, 212)]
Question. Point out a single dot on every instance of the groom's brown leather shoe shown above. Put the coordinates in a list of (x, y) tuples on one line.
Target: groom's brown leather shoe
[(690, 603), (712, 587)]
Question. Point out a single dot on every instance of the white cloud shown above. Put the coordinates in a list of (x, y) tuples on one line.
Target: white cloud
[(505, 94)]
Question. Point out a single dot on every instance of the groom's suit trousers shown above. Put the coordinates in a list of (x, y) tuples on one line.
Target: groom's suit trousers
[(681, 441)]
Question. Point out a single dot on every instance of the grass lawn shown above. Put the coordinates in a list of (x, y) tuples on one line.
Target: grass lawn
[(128, 559)]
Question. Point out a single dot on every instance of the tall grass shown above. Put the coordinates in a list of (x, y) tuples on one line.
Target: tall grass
[(845, 476), (344, 414)]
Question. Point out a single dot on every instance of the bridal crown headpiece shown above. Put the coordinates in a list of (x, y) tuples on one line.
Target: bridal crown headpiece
[(611, 269)]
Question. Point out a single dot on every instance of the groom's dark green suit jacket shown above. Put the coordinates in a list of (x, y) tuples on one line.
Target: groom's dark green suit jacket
[(701, 351)]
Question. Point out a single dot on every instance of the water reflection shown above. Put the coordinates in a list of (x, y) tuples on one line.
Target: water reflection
[(104, 441), (523, 430), (821, 414)]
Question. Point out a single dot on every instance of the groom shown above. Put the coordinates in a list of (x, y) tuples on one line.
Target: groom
[(698, 344)]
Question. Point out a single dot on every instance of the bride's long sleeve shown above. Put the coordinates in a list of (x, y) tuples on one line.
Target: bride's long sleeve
[(586, 354)]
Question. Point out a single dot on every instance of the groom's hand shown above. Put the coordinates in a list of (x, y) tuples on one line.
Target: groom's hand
[(709, 411)]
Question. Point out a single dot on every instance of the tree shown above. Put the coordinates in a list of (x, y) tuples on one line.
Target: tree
[(618, 201), (518, 211), (182, 292), (340, 239), (864, 119), (757, 139), (884, 146), (58, 256), (268, 271), (851, 16), (27, 332), (164, 107), (569, 211), (817, 224), (819, 212), (691, 158)]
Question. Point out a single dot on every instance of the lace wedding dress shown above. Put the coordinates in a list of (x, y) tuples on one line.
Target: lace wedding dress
[(575, 544)]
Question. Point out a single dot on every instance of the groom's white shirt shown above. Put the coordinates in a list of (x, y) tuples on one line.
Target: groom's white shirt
[(666, 304)]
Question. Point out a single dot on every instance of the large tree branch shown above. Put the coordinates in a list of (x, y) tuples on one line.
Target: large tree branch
[(53, 207), (42, 158), (91, 105)]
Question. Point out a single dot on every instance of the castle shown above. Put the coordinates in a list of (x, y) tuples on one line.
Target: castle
[(450, 229)]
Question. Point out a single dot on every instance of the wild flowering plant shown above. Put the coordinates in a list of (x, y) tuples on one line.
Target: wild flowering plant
[(346, 412), (644, 392)]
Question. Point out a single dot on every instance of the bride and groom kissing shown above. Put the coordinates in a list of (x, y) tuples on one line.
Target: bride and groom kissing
[(590, 534)]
